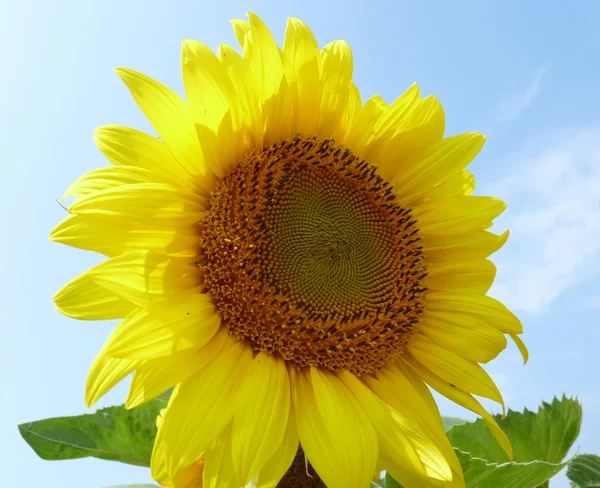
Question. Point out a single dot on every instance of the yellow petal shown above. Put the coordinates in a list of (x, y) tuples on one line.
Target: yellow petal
[(266, 62), (406, 379), (190, 477), (469, 245), (423, 127), (208, 87), (84, 299), (335, 433), (350, 113), (166, 327), (403, 391), (150, 203), (464, 399), (158, 461), (155, 376), (440, 161), (275, 469), (466, 336), (214, 105), (361, 128), (264, 57), (260, 419), (202, 406), (522, 347), (462, 373), (302, 51), (108, 177), (427, 120), (336, 81), (138, 277), (395, 116), (398, 437), (247, 90), (105, 373), (218, 463), (479, 307), (395, 468), (472, 276), (112, 237), (170, 117), (124, 146), (241, 28), (457, 214), (458, 183)]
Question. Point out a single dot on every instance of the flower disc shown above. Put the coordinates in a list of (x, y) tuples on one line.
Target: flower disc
[(308, 255)]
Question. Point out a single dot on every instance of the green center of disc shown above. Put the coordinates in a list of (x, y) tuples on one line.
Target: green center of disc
[(331, 249)]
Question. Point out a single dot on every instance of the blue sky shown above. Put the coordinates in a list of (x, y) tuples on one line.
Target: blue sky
[(524, 73)]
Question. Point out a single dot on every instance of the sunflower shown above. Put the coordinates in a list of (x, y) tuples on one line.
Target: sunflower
[(297, 263)]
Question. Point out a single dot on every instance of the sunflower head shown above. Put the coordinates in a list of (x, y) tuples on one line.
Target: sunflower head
[(299, 264)]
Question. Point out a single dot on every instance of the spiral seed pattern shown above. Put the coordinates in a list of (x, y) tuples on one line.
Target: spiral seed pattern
[(308, 255)]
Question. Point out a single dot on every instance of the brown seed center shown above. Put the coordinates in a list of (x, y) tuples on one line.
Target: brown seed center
[(308, 255)]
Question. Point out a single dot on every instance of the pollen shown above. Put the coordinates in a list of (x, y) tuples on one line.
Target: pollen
[(308, 255)]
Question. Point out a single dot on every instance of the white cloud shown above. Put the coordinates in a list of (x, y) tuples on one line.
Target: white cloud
[(512, 107), (554, 219)]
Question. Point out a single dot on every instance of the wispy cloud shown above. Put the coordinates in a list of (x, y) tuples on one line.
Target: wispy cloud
[(553, 215), (512, 107)]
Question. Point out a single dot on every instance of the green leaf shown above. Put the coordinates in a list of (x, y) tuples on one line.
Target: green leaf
[(112, 433), (584, 471), (480, 473), (163, 398), (390, 482), (450, 422), (544, 436)]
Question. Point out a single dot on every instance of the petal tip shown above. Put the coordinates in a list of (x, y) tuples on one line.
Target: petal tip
[(91, 395), (188, 46), (126, 74), (521, 346), (130, 404), (252, 17), (54, 235), (59, 299), (414, 88)]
